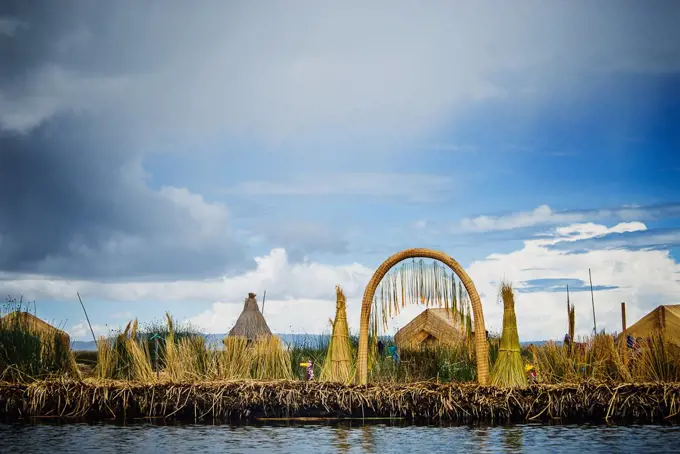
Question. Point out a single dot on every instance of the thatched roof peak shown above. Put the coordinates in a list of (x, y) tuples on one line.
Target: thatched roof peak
[(431, 325), (30, 321), (251, 323), (664, 319)]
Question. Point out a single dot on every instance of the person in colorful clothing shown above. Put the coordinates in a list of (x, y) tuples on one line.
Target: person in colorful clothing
[(310, 370)]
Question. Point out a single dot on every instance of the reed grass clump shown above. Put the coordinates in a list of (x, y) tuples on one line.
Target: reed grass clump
[(124, 357), (508, 370), (658, 360), (234, 360), (157, 333), (439, 362), (30, 348), (269, 360)]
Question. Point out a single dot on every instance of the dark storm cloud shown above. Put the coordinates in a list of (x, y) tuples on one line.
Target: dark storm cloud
[(88, 87), (73, 204), (74, 198)]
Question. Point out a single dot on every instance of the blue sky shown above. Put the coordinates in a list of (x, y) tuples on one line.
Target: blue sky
[(530, 143)]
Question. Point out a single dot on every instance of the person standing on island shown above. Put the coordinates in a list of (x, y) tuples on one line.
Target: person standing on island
[(310, 370)]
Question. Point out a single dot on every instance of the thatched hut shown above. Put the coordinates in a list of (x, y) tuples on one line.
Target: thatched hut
[(432, 326), (663, 319), (33, 348), (31, 323), (251, 323)]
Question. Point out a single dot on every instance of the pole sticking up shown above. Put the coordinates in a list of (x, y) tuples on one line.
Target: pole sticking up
[(592, 298), (624, 336), (264, 297), (87, 318)]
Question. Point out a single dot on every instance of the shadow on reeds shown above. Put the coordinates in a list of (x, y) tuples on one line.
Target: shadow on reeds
[(30, 348)]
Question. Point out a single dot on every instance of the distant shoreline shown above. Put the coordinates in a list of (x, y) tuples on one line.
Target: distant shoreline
[(215, 340)]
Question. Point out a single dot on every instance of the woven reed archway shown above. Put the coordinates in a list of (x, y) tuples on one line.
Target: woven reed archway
[(477, 313)]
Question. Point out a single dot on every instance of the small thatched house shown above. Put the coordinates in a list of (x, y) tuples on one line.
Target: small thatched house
[(663, 319), (251, 323), (29, 322), (431, 327)]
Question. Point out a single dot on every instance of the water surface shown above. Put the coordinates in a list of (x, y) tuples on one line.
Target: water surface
[(318, 439)]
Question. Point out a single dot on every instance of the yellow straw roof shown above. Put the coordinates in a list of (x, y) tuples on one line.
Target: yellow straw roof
[(433, 325), (664, 319)]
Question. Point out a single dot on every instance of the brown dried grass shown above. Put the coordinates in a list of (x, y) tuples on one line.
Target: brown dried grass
[(425, 401)]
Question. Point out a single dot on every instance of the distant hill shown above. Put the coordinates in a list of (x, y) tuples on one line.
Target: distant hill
[(215, 340)]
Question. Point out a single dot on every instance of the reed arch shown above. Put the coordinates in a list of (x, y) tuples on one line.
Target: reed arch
[(477, 313)]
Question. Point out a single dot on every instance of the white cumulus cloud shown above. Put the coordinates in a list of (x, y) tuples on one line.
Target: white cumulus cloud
[(301, 296), (643, 280)]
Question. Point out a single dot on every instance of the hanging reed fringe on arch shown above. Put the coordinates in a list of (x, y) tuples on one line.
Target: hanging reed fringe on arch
[(481, 345), (417, 282)]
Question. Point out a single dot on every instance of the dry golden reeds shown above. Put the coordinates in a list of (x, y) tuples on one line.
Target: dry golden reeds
[(124, 357), (424, 401), (338, 364), (658, 360), (234, 360), (508, 370), (31, 348), (269, 360), (106, 359)]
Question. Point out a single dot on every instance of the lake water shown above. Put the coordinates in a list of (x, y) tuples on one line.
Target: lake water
[(143, 438)]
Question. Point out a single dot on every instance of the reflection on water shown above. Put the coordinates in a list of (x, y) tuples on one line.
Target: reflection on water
[(338, 438), (513, 439)]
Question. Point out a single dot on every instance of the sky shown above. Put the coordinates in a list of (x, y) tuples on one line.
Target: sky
[(166, 156)]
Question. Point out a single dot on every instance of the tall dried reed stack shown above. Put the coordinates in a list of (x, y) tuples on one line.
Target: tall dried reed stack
[(338, 364), (508, 370)]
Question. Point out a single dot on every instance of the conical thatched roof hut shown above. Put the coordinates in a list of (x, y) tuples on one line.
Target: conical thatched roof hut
[(663, 319), (29, 322), (432, 326), (251, 323)]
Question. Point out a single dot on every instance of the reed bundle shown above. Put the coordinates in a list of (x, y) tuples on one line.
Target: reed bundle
[(658, 360), (508, 370), (124, 357), (187, 358), (424, 401), (338, 363), (234, 360), (269, 360)]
